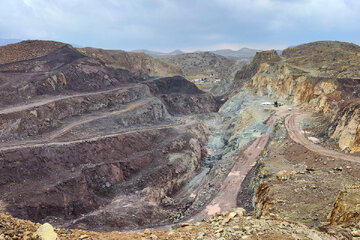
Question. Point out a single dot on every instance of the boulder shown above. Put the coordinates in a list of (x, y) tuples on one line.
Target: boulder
[(46, 232)]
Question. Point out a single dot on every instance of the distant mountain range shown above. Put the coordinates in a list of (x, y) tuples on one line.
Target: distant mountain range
[(4, 41), (156, 54), (244, 53)]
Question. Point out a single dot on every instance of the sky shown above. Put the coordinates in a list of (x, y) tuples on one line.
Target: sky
[(166, 25)]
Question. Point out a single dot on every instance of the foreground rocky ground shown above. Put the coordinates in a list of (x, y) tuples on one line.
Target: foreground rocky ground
[(228, 225)]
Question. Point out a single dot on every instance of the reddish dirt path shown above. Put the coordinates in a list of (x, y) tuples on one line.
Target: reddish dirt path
[(226, 198), (295, 133)]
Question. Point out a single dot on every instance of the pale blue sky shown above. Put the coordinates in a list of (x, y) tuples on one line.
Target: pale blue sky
[(181, 24)]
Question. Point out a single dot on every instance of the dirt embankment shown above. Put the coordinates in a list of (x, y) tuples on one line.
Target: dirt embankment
[(182, 97)]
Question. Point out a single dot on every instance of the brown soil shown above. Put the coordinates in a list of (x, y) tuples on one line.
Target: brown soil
[(136, 63), (27, 50), (307, 195), (229, 225)]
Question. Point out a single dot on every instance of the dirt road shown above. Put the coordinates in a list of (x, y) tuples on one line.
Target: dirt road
[(295, 133), (33, 144), (18, 108)]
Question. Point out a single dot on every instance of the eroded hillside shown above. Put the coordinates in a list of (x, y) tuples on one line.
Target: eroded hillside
[(136, 63), (80, 139), (209, 71), (26, 50)]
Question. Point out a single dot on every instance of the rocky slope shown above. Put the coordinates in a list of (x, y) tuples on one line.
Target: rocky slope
[(323, 76), (219, 71), (26, 50), (228, 225), (136, 63), (243, 53), (89, 145)]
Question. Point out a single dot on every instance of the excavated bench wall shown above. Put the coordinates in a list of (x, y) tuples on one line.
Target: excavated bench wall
[(66, 180), (38, 120)]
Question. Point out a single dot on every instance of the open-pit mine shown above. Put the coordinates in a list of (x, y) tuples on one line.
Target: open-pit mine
[(100, 144)]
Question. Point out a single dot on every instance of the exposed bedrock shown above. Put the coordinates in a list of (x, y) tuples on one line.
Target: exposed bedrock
[(65, 180), (63, 71), (182, 97), (319, 82), (50, 115)]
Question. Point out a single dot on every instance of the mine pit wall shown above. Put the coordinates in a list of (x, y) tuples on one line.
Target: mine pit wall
[(41, 119), (73, 179), (182, 97), (180, 104), (331, 97)]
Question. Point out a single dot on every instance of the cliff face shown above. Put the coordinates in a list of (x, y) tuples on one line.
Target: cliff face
[(248, 71), (346, 210), (323, 76), (136, 63)]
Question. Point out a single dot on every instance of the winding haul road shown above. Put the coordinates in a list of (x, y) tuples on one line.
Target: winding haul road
[(292, 123)]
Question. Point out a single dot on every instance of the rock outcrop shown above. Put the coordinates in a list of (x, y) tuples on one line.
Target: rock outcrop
[(323, 76), (346, 210)]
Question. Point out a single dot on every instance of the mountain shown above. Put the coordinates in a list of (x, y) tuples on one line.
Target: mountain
[(4, 41), (219, 71), (27, 50), (135, 62), (244, 53), (156, 54)]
